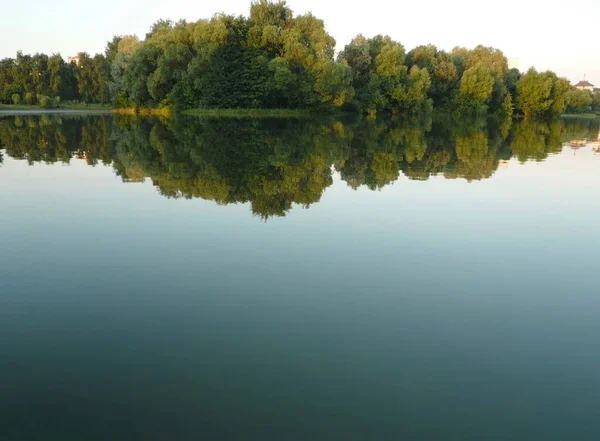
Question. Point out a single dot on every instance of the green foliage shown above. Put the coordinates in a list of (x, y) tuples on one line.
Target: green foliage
[(141, 65), (39, 75), (541, 94), (275, 59), (267, 20), (441, 69), (46, 102), (511, 78), (16, 99), (29, 98), (596, 101), (475, 95), (389, 61), (236, 76), (271, 60), (411, 97), (333, 83), (381, 80), (357, 56), (476, 86), (578, 101), (508, 106)]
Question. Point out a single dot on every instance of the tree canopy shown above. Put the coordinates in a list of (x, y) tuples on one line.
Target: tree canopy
[(274, 58)]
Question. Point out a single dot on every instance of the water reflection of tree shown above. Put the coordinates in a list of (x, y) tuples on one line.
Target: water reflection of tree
[(377, 149), (270, 163), (456, 149), (534, 140), (50, 138), (276, 163)]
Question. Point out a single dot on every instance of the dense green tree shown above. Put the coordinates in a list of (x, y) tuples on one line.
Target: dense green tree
[(267, 20), (511, 78), (476, 87), (100, 92), (411, 96), (441, 69), (85, 76), (60, 79), (494, 62), (382, 80), (541, 94), (91, 75), (23, 74), (508, 106), (236, 76), (357, 56), (141, 65), (40, 74), (8, 85), (596, 101), (333, 83), (578, 101)]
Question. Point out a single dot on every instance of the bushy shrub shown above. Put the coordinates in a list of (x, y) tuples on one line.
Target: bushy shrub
[(46, 102), (29, 99), (16, 99), (121, 101)]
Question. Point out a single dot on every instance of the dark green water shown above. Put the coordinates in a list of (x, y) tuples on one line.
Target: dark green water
[(231, 279)]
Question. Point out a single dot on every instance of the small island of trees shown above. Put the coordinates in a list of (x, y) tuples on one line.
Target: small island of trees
[(274, 59)]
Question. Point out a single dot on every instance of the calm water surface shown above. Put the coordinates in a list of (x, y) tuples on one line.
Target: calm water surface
[(233, 279)]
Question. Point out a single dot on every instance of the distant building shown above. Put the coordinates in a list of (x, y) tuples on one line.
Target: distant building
[(74, 59), (585, 85)]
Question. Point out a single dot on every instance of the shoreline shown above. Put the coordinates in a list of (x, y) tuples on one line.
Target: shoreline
[(231, 113), (270, 113), (55, 111)]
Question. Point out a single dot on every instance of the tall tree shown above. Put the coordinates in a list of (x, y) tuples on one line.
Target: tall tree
[(541, 94)]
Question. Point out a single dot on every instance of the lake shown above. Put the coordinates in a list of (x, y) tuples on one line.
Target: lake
[(291, 279)]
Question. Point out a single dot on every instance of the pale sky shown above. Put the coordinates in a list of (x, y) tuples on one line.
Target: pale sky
[(548, 34)]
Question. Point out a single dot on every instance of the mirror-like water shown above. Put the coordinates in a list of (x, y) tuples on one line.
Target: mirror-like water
[(431, 280)]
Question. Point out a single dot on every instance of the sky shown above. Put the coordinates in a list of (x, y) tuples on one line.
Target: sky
[(548, 34)]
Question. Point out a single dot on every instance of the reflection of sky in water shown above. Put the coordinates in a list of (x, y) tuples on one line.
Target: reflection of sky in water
[(436, 309)]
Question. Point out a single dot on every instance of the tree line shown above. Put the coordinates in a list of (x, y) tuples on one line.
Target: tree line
[(275, 59), (49, 80)]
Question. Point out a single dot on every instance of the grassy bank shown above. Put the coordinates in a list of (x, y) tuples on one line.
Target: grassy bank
[(83, 108), (61, 107), (580, 115), (258, 113), (165, 111)]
